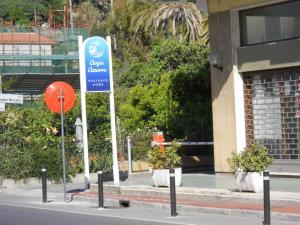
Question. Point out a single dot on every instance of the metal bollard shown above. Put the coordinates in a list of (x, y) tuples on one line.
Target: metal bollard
[(173, 192), (129, 155), (100, 189), (267, 208), (44, 183)]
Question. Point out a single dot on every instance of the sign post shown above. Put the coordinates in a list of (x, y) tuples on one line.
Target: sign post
[(2, 107), (60, 98), (83, 115), (113, 117), (96, 76)]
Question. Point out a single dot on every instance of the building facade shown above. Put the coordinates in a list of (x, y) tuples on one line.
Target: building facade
[(255, 71), (32, 57), (26, 45)]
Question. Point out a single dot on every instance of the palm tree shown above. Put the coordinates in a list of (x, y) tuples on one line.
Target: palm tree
[(173, 17)]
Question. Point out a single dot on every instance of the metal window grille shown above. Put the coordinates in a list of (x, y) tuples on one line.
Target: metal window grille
[(272, 111)]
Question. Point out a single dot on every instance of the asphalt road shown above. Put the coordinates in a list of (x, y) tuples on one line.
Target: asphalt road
[(16, 215)]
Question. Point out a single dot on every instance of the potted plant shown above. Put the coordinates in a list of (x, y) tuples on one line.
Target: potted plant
[(249, 165), (161, 160)]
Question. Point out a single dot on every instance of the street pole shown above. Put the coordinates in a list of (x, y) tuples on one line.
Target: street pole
[(63, 142)]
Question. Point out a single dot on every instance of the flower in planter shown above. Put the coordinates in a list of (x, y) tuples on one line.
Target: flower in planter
[(254, 158), (248, 166)]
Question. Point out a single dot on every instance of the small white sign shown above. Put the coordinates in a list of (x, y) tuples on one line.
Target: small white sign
[(2, 107), (11, 98)]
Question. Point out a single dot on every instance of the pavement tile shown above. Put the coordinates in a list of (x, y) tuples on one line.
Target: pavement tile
[(277, 207)]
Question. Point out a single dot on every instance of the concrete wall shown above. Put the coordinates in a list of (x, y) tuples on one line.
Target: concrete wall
[(224, 5), (223, 101), (271, 56)]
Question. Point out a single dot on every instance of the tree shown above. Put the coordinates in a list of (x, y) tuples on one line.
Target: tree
[(22, 12), (172, 96), (172, 17)]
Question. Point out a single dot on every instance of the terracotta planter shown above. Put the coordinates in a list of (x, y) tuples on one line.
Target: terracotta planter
[(161, 177), (249, 181)]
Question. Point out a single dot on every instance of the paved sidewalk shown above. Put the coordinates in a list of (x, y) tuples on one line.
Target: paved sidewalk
[(284, 207), (205, 193)]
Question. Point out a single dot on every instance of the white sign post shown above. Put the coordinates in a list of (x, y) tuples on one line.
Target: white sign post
[(96, 76), (2, 107), (113, 117), (83, 115)]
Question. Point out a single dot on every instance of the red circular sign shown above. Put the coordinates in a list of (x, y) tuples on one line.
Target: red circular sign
[(52, 96)]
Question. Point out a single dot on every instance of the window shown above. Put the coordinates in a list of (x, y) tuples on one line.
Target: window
[(270, 23)]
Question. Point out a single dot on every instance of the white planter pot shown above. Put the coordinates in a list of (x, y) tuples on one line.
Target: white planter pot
[(161, 177), (249, 181)]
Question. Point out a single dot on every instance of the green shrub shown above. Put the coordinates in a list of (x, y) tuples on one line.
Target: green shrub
[(140, 144), (254, 158), (165, 159), (15, 163), (51, 159), (106, 162)]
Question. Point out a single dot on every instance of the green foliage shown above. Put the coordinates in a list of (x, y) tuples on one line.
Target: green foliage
[(15, 163), (159, 84), (106, 162), (50, 158), (34, 132), (253, 159), (99, 134), (171, 92), (22, 12), (144, 21), (141, 73), (172, 54), (167, 158), (92, 16), (140, 141)]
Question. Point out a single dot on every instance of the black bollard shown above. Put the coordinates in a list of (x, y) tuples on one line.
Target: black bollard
[(267, 208), (173, 192), (44, 183), (100, 189)]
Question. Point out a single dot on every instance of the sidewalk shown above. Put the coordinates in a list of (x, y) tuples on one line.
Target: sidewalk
[(205, 193)]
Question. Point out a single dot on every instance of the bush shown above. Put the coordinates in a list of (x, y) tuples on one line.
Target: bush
[(51, 159), (165, 159), (15, 163), (29, 136), (254, 158), (141, 144)]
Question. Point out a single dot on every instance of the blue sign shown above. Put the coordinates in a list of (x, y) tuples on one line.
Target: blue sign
[(97, 61)]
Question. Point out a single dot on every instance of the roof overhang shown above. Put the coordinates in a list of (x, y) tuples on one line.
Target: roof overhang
[(225, 5)]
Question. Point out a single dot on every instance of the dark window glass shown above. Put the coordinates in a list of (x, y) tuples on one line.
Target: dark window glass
[(270, 23)]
